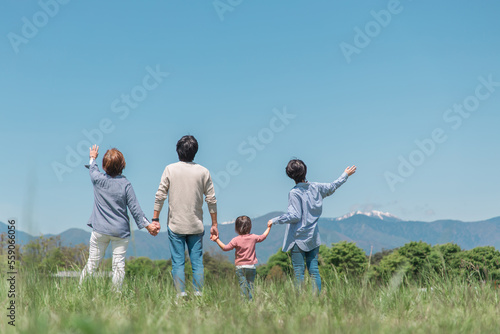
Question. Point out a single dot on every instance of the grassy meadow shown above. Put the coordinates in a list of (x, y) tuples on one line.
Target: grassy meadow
[(146, 305)]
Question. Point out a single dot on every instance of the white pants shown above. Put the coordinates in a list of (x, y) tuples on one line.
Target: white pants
[(97, 248)]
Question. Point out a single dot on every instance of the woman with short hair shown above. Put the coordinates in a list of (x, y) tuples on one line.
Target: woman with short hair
[(113, 194)]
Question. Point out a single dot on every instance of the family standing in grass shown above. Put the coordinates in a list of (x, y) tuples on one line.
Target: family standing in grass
[(185, 183)]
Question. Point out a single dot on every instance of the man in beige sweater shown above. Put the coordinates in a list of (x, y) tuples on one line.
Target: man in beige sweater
[(185, 183)]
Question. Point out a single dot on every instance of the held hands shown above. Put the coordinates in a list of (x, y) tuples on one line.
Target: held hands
[(270, 224), (94, 152), (214, 233), (153, 228), (350, 170)]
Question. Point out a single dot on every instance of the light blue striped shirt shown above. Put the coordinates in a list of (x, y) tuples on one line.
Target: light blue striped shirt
[(305, 205), (112, 196)]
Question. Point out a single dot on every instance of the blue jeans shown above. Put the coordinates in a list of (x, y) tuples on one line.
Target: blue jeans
[(311, 260), (194, 244), (246, 277)]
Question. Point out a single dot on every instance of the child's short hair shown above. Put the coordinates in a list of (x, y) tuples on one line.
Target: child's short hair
[(113, 162), (186, 148), (296, 170), (243, 225)]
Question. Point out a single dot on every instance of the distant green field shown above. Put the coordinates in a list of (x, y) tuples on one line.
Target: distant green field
[(146, 305)]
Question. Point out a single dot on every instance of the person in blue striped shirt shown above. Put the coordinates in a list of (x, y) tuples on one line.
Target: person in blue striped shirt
[(305, 205)]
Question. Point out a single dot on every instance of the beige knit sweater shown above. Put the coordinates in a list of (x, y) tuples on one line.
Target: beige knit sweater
[(185, 183)]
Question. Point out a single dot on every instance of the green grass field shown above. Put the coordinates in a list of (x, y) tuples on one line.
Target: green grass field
[(146, 305)]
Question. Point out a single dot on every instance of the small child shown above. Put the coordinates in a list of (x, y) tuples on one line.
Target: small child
[(245, 259)]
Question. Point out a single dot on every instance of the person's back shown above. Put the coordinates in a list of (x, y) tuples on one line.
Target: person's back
[(113, 193), (245, 248), (305, 205), (309, 196), (187, 183), (111, 196), (311, 207)]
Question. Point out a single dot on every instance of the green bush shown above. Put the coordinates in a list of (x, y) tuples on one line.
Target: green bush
[(417, 254), (480, 263), (345, 257), (280, 259), (217, 265), (390, 264), (47, 255), (445, 259)]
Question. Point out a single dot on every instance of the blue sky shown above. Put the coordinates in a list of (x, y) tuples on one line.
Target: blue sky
[(361, 84)]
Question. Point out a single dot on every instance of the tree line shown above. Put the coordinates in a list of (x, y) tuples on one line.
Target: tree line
[(414, 261)]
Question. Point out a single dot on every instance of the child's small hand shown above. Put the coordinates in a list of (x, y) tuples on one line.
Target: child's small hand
[(350, 170), (214, 238), (270, 223)]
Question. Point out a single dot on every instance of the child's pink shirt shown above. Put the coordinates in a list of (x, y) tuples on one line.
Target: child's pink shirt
[(245, 248)]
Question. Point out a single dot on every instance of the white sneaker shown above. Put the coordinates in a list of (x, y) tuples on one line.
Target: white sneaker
[(198, 293), (181, 294), (179, 299)]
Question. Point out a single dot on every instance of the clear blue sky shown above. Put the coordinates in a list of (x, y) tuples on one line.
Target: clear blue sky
[(357, 98)]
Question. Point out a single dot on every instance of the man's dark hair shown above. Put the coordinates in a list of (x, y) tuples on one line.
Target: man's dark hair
[(243, 225), (296, 170), (186, 148)]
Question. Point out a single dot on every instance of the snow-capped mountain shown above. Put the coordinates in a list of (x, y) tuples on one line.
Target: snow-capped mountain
[(376, 214), (227, 223)]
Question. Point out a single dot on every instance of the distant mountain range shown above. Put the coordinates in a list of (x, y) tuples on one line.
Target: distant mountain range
[(371, 231)]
